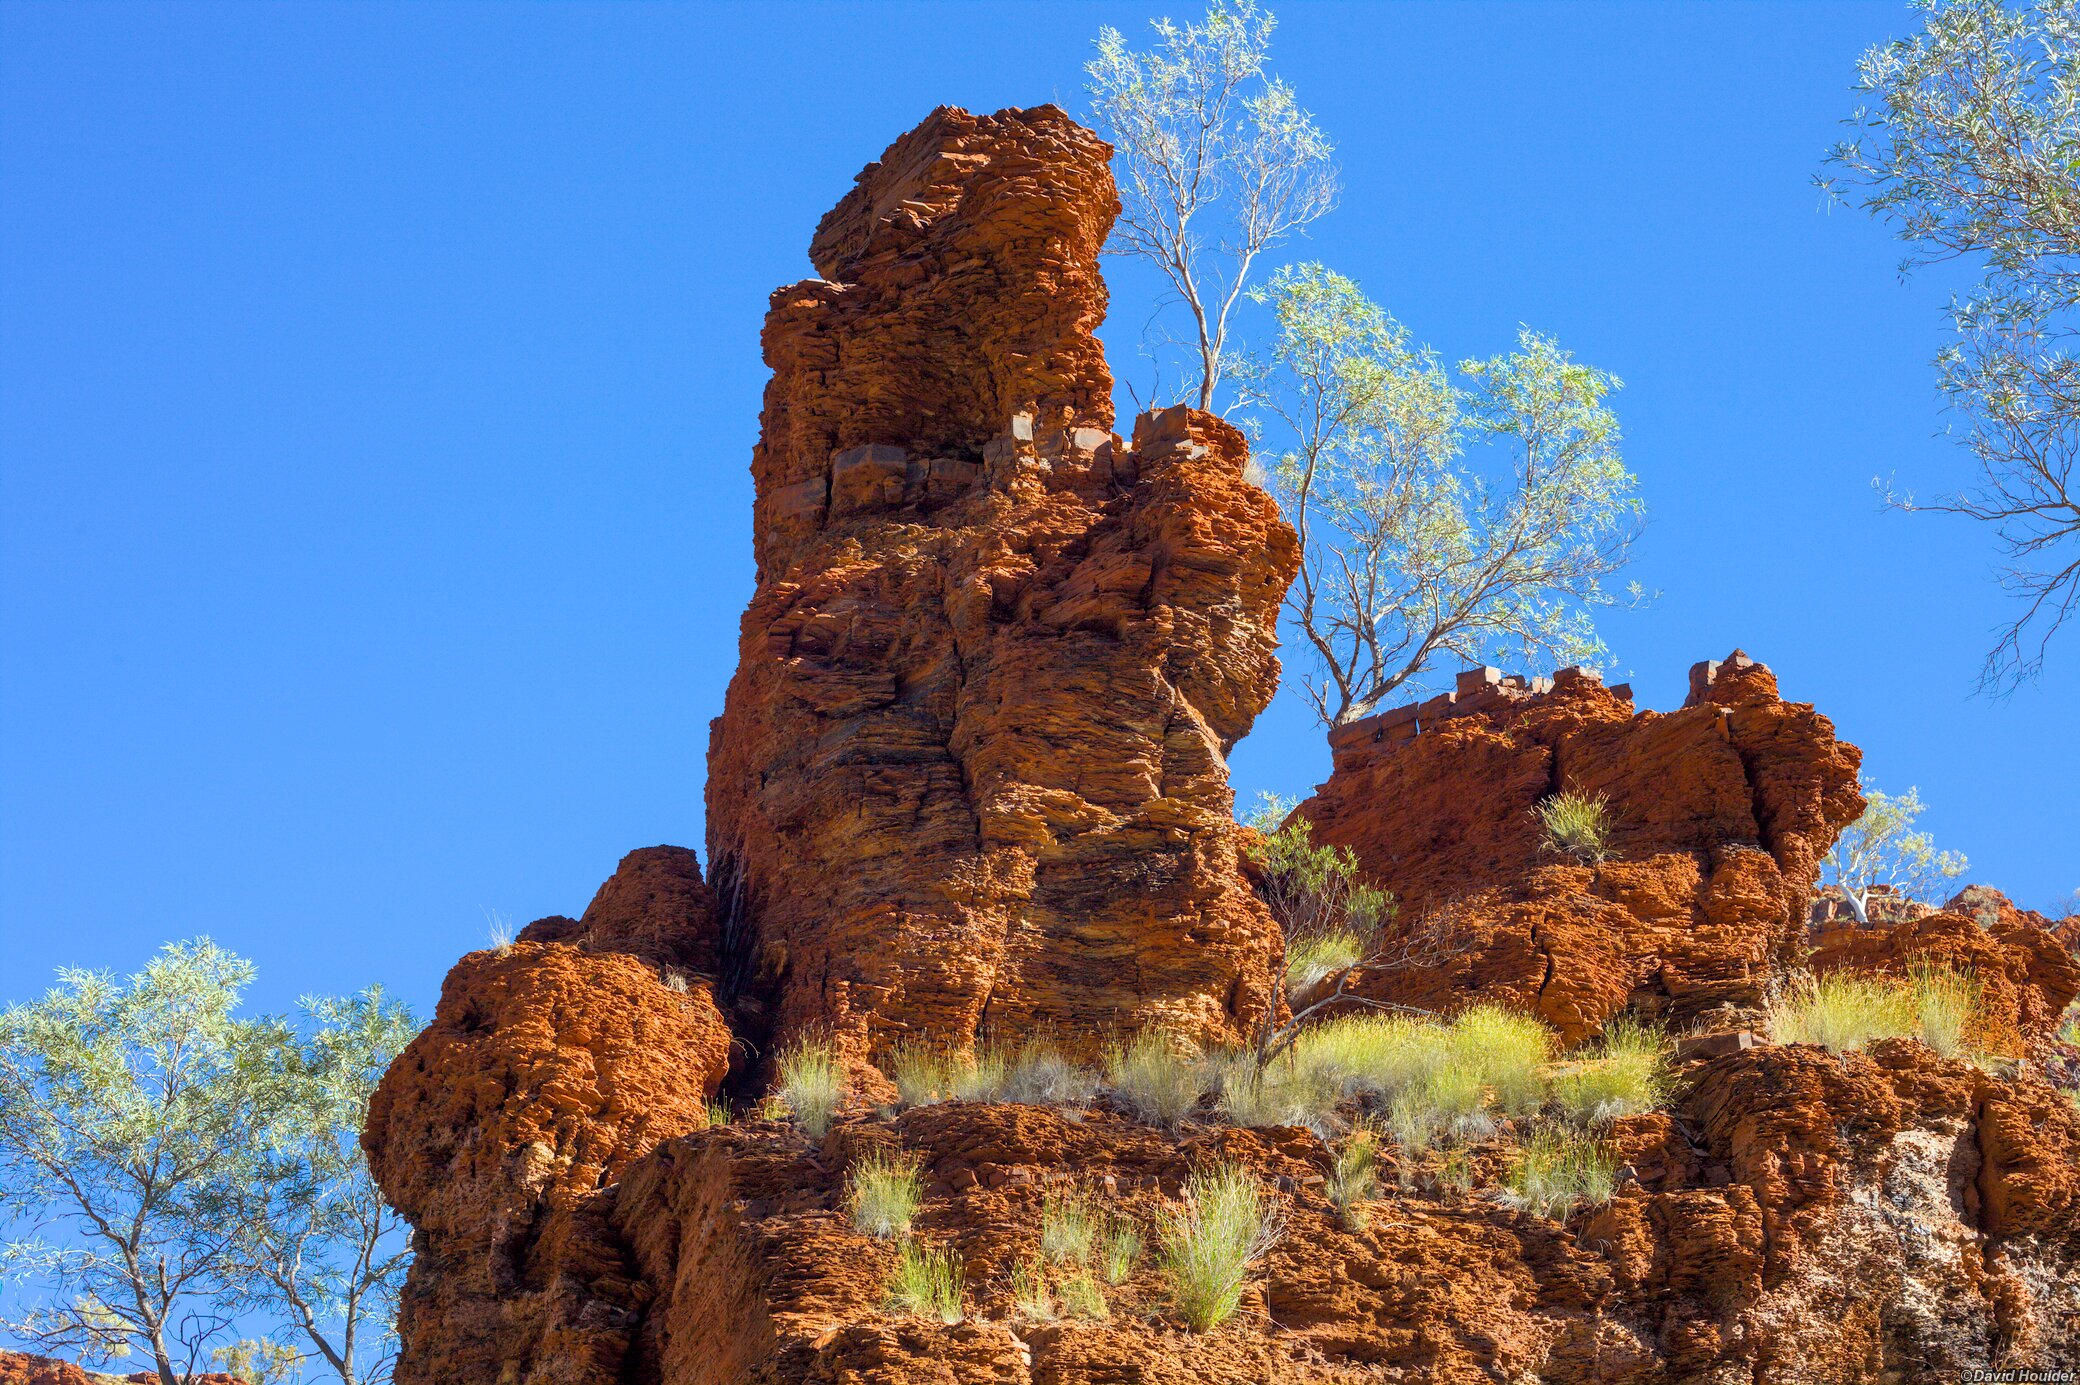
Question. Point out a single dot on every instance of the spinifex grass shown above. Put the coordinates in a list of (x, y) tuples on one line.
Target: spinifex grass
[(1209, 1245)]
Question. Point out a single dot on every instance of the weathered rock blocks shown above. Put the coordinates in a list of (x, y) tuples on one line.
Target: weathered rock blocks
[(1720, 811), (970, 774)]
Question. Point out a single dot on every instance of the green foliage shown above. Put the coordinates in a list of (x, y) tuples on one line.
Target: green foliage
[(1624, 1076), (927, 1282), (1330, 918), (884, 1192), (1577, 825), (1209, 1245), (812, 1085), (257, 1362), (1119, 1250), (1215, 161), (203, 1166), (1281, 1092), (1156, 1076), (1070, 1224), (1554, 1172), (1473, 519), (1354, 1177), (1082, 1298), (717, 1112), (1965, 144), (1841, 1011), (1882, 847), (922, 1072), (1948, 1006), (1031, 1297)]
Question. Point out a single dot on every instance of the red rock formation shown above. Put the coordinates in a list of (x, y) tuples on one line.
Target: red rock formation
[(971, 771), (2025, 976), (1800, 1217), (548, 1070), (1721, 812), (19, 1368)]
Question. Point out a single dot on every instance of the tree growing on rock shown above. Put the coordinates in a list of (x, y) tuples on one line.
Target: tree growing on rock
[(1335, 926), (1471, 516), (167, 1167), (1967, 144), (1216, 162), (1882, 849)]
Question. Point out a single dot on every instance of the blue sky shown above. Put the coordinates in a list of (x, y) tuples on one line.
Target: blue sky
[(378, 384)]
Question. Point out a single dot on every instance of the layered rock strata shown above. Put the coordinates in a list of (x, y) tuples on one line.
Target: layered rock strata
[(1719, 812), (971, 772)]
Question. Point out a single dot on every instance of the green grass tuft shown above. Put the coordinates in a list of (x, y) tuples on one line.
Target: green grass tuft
[(1841, 1011), (1554, 1172), (884, 1194), (926, 1282), (1623, 1076), (1354, 1178), (812, 1085), (1577, 825), (1210, 1244), (1082, 1298), (1157, 1077)]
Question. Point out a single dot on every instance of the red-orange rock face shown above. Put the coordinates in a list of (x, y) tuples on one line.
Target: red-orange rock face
[(548, 1070), (1798, 1217), (970, 774), (1720, 811)]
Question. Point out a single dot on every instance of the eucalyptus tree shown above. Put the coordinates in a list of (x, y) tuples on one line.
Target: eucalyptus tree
[(172, 1175), (1884, 849), (1443, 515), (1217, 162), (1968, 143)]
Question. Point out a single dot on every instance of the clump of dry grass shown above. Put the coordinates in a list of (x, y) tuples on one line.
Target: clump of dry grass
[(812, 1085)]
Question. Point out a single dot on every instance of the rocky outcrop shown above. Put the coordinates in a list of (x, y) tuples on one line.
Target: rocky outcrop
[(19, 1368), (1720, 813), (551, 1066), (971, 772), (1797, 1217), (2024, 975)]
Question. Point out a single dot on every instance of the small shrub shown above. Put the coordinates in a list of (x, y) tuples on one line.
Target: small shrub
[(1577, 825), (926, 1282), (1947, 1007), (1156, 1078), (812, 1085), (1554, 1172), (1841, 1011), (1624, 1077), (1069, 1228), (1209, 1245), (1120, 1251), (1030, 1296), (885, 1193), (1354, 1178), (1328, 916), (1082, 1298)]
